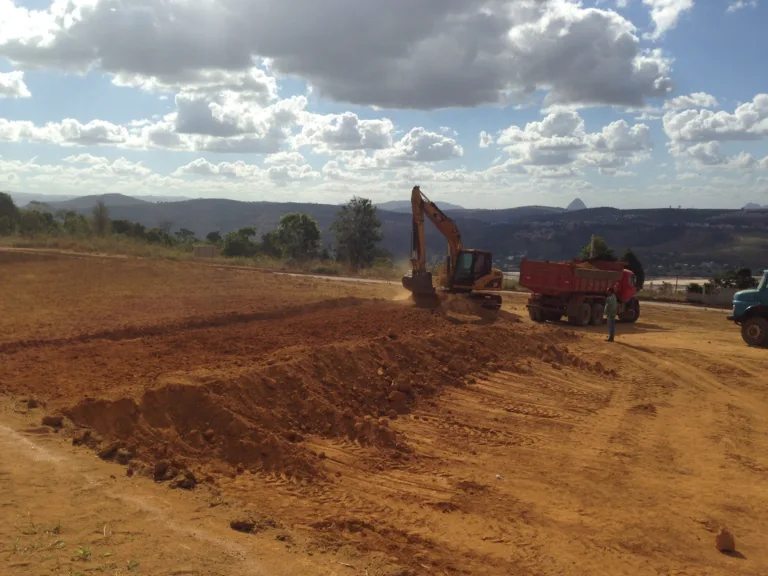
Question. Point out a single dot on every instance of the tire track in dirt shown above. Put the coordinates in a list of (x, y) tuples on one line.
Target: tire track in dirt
[(189, 324), (82, 500)]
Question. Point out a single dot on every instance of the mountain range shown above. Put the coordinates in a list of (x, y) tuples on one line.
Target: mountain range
[(22, 199), (666, 237)]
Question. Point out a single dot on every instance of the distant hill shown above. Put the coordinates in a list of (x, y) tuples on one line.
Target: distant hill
[(85, 203), (753, 206), (664, 237), (80, 203), (22, 198), (405, 206), (577, 204), (505, 215)]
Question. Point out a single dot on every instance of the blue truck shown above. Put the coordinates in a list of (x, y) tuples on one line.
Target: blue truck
[(750, 311)]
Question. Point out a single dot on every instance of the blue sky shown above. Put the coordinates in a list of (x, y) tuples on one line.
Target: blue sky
[(634, 103)]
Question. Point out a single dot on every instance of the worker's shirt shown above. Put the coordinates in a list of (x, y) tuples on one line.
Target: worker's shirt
[(611, 306)]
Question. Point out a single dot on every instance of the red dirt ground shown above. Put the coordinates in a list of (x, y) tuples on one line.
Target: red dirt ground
[(393, 439)]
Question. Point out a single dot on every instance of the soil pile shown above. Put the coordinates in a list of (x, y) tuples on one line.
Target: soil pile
[(259, 419)]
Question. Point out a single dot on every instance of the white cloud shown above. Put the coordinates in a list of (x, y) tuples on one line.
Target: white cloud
[(280, 174), (254, 84), (665, 14), (210, 124), (96, 172), (739, 4), (12, 85), (419, 145), (695, 100), (333, 132), (66, 132), (85, 159), (559, 146), (285, 157), (697, 134), (433, 54), (485, 139), (202, 167)]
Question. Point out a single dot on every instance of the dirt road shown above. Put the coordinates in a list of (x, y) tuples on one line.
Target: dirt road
[(354, 435)]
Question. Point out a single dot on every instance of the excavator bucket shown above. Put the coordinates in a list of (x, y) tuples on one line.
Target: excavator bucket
[(421, 288)]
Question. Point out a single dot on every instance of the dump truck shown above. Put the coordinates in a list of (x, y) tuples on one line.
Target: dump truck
[(750, 311), (577, 290)]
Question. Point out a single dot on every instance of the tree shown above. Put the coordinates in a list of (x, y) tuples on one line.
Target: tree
[(124, 227), (165, 226), (744, 279), (9, 215), (270, 245), (299, 236), (157, 236), (601, 251), (7, 226), (101, 222), (213, 237), (633, 263), (35, 222), (358, 231), (238, 243), (740, 279), (185, 236), (73, 223)]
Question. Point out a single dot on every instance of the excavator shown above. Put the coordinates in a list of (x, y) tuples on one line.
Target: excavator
[(466, 272)]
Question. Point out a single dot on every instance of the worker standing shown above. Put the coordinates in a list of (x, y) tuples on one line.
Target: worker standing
[(611, 307)]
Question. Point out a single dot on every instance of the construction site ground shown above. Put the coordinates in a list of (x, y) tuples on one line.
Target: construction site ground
[(164, 419)]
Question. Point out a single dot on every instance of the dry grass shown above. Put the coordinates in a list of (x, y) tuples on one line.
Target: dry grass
[(131, 247)]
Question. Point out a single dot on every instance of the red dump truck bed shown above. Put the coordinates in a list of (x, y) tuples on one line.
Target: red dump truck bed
[(559, 278)]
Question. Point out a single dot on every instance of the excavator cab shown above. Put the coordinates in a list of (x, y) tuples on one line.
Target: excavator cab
[(471, 266)]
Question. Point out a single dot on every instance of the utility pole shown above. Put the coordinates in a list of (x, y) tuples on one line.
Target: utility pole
[(592, 247)]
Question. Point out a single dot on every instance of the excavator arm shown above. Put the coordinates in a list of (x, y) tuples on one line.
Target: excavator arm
[(421, 207)]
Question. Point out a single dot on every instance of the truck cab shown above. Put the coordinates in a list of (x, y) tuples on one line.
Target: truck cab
[(750, 311)]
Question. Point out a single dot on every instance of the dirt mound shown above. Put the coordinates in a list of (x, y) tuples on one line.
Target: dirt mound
[(258, 421), (106, 367)]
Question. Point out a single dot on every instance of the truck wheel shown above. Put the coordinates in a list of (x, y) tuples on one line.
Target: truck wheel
[(583, 317), (597, 313), (754, 331), (534, 312), (631, 312)]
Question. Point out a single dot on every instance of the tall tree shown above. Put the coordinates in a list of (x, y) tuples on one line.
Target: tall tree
[(298, 236), (73, 223), (270, 245), (358, 231), (101, 222), (185, 235), (633, 263), (213, 237), (9, 214), (239, 243), (601, 251), (165, 226)]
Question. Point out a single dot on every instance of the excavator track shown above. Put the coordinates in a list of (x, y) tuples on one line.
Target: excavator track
[(487, 301)]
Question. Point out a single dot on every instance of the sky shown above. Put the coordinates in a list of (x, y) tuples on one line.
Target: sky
[(485, 104)]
